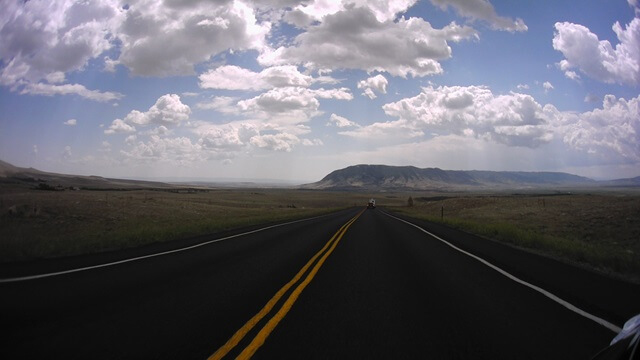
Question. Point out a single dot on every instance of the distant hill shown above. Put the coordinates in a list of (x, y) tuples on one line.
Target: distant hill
[(10, 174), (358, 177), (383, 177), (632, 182)]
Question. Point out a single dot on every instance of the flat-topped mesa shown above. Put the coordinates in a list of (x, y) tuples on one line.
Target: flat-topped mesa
[(386, 177)]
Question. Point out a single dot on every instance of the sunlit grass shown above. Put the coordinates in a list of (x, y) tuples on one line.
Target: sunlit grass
[(578, 229), (602, 231), (52, 224)]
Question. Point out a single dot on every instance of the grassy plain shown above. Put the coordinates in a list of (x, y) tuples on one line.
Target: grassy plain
[(42, 224), (598, 230)]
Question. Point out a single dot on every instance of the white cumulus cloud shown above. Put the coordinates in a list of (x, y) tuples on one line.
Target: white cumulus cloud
[(69, 89), (223, 104), (291, 105), (312, 142), (66, 154), (372, 85), (341, 121), (315, 10), (404, 47), (131, 140), (168, 111), (513, 119), (119, 127), (226, 138), (482, 10), (612, 132), (192, 32), (278, 142), (179, 150), (43, 40), (596, 58), (386, 132), (231, 77), (570, 74)]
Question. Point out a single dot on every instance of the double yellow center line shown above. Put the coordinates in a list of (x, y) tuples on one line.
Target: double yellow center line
[(262, 335)]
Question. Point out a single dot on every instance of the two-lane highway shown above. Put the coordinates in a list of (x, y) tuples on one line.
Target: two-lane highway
[(182, 305), (357, 283)]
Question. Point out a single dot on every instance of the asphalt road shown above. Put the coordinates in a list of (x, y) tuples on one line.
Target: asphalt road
[(354, 284)]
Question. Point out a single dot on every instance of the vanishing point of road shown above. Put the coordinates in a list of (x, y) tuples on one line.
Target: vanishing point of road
[(353, 284)]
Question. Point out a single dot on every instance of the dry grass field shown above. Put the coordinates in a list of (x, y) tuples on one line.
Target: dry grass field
[(41, 224), (598, 230)]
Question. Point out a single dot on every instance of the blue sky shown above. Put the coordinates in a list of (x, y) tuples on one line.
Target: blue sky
[(291, 90)]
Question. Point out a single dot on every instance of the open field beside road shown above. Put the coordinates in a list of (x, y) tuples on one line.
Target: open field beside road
[(599, 230), (42, 224)]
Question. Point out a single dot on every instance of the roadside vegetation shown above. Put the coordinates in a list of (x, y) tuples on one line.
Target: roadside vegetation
[(601, 231), (43, 224)]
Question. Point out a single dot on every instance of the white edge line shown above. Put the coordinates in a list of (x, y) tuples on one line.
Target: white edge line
[(542, 291), (41, 276)]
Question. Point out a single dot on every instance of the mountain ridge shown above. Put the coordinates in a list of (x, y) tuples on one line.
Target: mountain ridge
[(11, 174), (356, 177), (386, 177)]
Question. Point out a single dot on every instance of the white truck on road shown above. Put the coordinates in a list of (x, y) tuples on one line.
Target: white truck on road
[(371, 204)]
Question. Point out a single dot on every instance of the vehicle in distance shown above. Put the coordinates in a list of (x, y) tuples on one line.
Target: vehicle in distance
[(371, 204)]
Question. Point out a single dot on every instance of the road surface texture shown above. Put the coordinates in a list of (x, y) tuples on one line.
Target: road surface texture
[(354, 284)]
